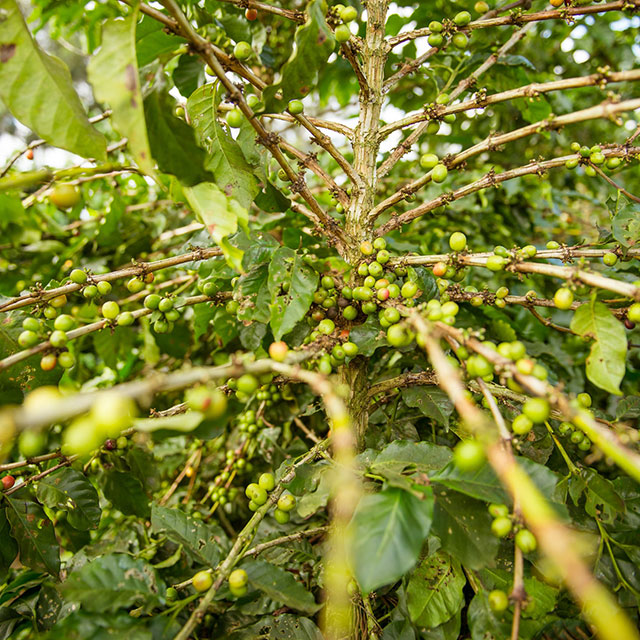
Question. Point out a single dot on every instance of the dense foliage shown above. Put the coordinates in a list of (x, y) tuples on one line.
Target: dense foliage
[(319, 321)]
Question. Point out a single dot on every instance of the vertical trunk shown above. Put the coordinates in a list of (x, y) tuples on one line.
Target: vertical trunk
[(365, 149)]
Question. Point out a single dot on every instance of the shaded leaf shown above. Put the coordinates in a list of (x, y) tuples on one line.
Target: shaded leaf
[(110, 582), (126, 493), (314, 43), (172, 141), (431, 401), (69, 490), (8, 548), (32, 529), (464, 528), (280, 585)]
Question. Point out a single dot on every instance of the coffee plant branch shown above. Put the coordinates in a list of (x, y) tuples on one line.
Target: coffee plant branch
[(556, 540), (493, 179)]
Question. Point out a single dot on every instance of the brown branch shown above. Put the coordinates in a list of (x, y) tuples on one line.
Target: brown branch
[(205, 50), (605, 110), (490, 180), (468, 82), (137, 269), (533, 90), (289, 14), (299, 535), (488, 20), (614, 184), (403, 380), (347, 132)]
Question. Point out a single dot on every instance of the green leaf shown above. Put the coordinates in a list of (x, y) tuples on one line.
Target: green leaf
[(38, 90), (288, 309), (113, 72), (126, 493), (431, 401), (280, 585), (231, 170), (626, 225), (602, 500), (606, 362), (404, 455), (487, 625), (220, 215), (172, 141), (33, 531), (314, 43), (69, 490), (110, 582), (202, 109), (368, 336), (434, 592), (188, 74), (152, 41), (482, 484), (464, 528), (8, 548), (202, 542), (388, 531), (232, 173)]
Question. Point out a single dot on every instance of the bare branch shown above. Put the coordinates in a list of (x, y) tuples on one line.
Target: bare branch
[(481, 101)]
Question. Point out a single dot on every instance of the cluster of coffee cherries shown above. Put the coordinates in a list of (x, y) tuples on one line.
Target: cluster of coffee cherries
[(438, 30), (503, 524), (341, 16), (591, 156), (202, 581), (35, 330), (258, 492), (568, 430)]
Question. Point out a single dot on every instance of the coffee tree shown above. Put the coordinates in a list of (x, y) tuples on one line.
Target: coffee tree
[(318, 320)]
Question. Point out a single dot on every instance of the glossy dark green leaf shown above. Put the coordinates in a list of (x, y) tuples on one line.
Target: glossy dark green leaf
[(431, 401), (71, 491), (289, 309), (126, 493), (482, 484), (388, 531), (280, 585), (33, 531), (464, 528)]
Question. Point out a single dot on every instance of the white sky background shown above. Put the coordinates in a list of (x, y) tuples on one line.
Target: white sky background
[(53, 157)]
